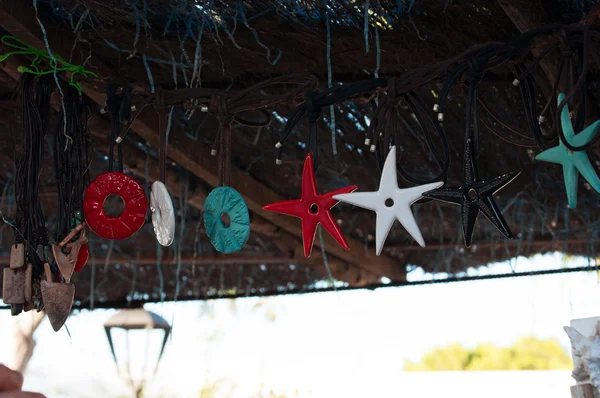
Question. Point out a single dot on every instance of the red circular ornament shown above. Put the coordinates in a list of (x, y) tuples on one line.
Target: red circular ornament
[(134, 214), (82, 257)]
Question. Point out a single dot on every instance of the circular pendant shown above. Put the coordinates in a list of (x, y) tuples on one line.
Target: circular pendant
[(226, 219), (134, 213), (163, 215)]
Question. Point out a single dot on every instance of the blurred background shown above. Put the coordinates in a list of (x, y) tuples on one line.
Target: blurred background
[(494, 338)]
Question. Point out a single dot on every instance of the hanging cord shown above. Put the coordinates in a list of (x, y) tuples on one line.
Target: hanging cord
[(34, 95), (257, 98), (474, 74), (489, 56), (385, 121), (224, 140), (118, 105), (574, 43), (529, 105), (567, 51), (71, 162), (312, 108), (161, 109), (577, 89)]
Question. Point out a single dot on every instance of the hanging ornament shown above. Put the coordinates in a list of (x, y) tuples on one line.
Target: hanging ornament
[(163, 215), (72, 152), (313, 208), (115, 183), (57, 297), (475, 195), (161, 205), (69, 260), (391, 203), (226, 219), (82, 257), (226, 216), (573, 162), (134, 213)]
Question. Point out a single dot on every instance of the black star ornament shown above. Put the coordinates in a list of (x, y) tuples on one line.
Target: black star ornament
[(475, 195)]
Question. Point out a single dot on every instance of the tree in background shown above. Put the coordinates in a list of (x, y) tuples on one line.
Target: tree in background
[(528, 353)]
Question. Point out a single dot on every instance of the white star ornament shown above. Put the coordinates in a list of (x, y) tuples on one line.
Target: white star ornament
[(391, 203)]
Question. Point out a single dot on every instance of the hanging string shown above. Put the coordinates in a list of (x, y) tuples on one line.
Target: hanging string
[(366, 26), (148, 72), (378, 59), (312, 108), (329, 84), (71, 162), (257, 39), (29, 228), (325, 262)]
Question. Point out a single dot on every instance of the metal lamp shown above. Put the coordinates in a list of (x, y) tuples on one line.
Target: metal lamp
[(137, 328)]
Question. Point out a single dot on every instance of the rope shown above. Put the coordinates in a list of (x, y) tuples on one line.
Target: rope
[(55, 62)]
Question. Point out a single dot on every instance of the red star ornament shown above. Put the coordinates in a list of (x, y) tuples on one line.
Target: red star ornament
[(313, 209)]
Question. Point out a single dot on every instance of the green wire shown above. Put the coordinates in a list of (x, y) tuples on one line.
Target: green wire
[(60, 65)]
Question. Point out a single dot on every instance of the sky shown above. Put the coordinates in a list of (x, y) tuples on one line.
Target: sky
[(323, 344)]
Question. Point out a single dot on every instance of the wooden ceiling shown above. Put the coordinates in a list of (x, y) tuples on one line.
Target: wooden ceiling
[(272, 261)]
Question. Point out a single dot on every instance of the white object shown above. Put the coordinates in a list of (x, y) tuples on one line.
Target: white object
[(585, 349), (163, 216), (390, 203)]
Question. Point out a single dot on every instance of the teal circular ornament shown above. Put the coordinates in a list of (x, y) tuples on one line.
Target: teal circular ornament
[(226, 204)]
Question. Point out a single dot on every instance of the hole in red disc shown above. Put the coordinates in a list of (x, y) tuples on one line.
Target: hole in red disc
[(113, 206)]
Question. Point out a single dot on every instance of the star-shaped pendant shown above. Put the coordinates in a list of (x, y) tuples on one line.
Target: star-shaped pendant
[(572, 162), (475, 195), (390, 203), (312, 208)]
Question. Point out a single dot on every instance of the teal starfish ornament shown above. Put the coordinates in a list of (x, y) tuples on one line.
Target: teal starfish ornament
[(573, 162)]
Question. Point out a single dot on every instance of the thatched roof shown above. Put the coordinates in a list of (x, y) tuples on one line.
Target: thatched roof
[(162, 43)]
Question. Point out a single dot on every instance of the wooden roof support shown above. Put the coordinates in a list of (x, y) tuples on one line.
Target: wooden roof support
[(552, 244), (18, 19), (237, 259), (516, 10)]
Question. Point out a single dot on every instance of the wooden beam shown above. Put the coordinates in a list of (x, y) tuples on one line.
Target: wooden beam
[(519, 12), (497, 245), (236, 259), (18, 20), (354, 275)]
